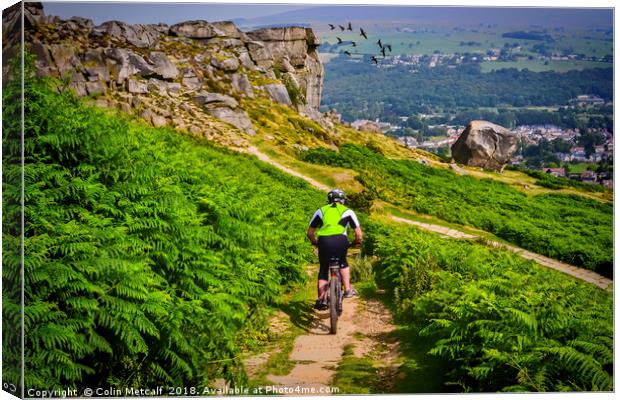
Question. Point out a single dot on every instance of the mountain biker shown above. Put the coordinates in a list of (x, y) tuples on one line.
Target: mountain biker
[(332, 221)]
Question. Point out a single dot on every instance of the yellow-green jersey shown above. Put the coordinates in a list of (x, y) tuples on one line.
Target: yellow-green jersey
[(333, 219)]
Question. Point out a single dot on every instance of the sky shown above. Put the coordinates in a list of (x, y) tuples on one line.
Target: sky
[(169, 13)]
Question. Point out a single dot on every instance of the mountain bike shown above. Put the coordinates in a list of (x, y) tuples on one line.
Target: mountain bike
[(334, 295)]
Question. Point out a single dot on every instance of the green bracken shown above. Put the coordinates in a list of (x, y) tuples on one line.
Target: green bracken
[(570, 228), (146, 252), (500, 322)]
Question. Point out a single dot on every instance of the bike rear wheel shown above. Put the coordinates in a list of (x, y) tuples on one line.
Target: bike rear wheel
[(334, 296)]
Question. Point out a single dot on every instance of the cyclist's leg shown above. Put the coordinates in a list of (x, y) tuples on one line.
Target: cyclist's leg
[(339, 247), (346, 278), (345, 272), (324, 256)]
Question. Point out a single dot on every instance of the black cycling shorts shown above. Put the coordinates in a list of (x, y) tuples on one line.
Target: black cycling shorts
[(332, 246)]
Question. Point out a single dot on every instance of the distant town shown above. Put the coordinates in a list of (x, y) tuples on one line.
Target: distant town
[(493, 54), (528, 135)]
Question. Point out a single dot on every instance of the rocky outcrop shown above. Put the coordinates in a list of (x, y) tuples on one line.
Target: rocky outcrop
[(484, 144), (278, 93), (142, 36), (175, 75), (291, 50)]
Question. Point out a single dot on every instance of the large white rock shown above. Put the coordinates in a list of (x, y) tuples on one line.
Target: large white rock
[(484, 144)]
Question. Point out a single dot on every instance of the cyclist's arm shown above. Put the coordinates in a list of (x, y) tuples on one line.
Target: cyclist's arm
[(310, 235), (315, 222), (358, 235)]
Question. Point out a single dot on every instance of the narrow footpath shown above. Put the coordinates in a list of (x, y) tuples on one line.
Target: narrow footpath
[(365, 326), (579, 273)]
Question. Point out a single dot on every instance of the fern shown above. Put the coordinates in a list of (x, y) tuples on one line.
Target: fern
[(504, 324), (140, 269)]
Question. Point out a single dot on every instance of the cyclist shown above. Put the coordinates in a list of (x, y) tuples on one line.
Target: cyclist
[(332, 221)]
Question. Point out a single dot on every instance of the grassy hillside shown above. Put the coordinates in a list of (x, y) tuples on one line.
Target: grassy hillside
[(493, 321), (151, 257), (147, 253), (566, 227)]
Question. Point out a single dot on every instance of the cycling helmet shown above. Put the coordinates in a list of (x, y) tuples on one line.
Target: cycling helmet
[(336, 195)]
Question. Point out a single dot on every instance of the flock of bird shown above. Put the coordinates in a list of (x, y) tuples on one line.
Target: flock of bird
[(382, 46)]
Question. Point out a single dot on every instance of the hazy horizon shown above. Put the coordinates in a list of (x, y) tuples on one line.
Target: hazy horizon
[(265, 14), (169, 13)]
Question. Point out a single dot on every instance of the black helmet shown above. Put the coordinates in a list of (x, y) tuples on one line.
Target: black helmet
[(336, 195)]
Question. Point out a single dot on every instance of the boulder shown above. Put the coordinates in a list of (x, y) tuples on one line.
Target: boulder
[(163, 66), (278, 93), (157, 86), (194, 30), (78, 84), (192, 82), (237, 118), (124, 107), (227, 29), (279, 34), (139, 35), (260, 55), (241, 84), (43, 61), (147, 115), (82, 22), (484, 144), (95, 64), (126, 63), (174, 89), (134, 86), (158, 121), (246, 60), (65, 59), (209, 100), (95, 88), (161, 28), (228, 64)]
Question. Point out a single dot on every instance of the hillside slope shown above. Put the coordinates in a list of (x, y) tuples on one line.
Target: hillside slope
[(154, 253), (144, 244)]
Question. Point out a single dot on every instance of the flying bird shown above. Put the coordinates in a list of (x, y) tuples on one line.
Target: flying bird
[(379, 43), (389, 47), (363, 33), (350, 27), (331, 26), (341, 28), (339, 40), (374, 59), (347, 53), (353, 43), (383, 51)]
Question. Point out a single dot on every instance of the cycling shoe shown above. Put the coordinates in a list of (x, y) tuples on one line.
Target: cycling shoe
[(321, 304)]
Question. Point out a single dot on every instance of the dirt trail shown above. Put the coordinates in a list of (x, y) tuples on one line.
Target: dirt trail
[(264, 157), (317, 354), (579, 273)]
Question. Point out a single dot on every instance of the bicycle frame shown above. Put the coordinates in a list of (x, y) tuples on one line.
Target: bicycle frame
[(334, 293)]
